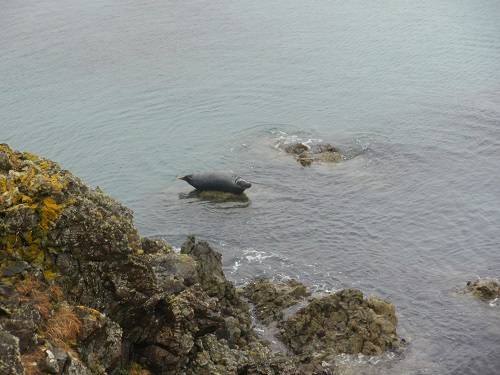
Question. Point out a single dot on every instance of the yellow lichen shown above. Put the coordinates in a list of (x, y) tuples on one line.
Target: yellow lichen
[(49, 274), (49, 211)]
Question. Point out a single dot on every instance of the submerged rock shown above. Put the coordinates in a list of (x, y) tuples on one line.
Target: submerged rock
[(485, 288), (307, 155)]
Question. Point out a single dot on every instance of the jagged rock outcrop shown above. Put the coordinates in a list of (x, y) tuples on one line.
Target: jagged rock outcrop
[(82, 293), (271, 298), (342, 322), (319, 328)]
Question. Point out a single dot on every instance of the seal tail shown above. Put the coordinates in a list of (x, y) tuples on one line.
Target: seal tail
[(183, 178)]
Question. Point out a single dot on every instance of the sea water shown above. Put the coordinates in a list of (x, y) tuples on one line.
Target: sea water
[(129, 94)]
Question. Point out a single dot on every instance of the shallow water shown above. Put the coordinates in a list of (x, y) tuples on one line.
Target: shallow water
[(130, 94)]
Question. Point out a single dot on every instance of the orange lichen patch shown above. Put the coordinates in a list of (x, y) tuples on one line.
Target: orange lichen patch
[(49, 211)]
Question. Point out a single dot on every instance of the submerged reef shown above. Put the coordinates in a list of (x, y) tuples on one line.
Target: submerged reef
[(82, 292)]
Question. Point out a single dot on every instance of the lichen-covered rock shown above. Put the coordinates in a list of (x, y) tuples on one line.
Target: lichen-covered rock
[(342, 322), (484, 288), (211, 276), (271, 298), (190, 314), (100, 339), (213, 356), (10, 355)]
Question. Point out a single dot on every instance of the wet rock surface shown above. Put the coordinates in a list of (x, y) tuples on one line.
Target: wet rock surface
[(82, 293), (271, 298), (488, 289), (342, 322), (306, 155)]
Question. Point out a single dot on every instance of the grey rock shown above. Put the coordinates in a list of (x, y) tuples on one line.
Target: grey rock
[(10, 355)]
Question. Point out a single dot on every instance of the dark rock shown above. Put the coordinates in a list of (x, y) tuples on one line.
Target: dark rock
[(100, 339), (24, 324), (190, 314), (51, 365), (15, 269), (156, 246), (271, 298), (75, 367), (307, 155), (484, 288), (211, 276), (10, 355), (296, 148), (342, 322)]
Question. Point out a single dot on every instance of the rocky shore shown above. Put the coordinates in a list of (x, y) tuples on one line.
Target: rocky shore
[(82, 293)]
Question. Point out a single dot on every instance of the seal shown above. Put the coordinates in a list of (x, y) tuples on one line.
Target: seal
[(226, 181)]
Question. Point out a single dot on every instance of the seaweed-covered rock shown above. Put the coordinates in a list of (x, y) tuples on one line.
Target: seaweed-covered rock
[(484, 288), (342, 322), (271, 298), (306, 155)]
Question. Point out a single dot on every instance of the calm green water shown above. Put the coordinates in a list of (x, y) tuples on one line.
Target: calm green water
[(129, 94)]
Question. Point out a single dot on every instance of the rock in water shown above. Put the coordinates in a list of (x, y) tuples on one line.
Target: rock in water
[(226, 181)]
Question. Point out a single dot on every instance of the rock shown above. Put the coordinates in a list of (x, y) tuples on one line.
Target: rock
[(484, 288), (78, 279), (342, 322), (211, 276), (51, 364), (100, 339), (15, 269), (296, 148), (190, 314), (24, 324), (156, 246), (10, 355), (271, 298), (307, 155), (75, 367), (175, 272)]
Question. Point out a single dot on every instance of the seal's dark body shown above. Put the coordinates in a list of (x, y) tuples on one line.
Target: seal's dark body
[(226, 181)]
